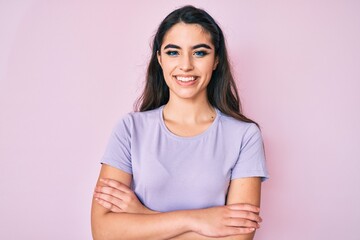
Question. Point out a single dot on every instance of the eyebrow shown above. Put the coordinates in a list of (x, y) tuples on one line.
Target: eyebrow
[(201, 45)]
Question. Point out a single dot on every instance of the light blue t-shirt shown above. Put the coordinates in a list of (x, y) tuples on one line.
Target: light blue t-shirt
[(175, 173)]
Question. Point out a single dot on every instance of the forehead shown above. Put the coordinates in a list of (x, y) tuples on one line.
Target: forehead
[(183, 35)]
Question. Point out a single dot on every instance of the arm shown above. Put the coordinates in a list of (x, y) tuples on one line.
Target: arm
[(242, 190), (109, 225), (214, 222), (245, 190)]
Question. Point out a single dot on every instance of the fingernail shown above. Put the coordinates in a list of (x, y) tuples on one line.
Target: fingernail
[(102, 180), (252, 229)]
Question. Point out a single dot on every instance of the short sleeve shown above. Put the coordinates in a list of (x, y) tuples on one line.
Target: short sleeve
[(251, 160), (118, 150)]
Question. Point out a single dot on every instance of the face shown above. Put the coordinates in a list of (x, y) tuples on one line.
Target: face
[(187, 58)]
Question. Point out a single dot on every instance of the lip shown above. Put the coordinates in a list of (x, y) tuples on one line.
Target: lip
[(187, 83)]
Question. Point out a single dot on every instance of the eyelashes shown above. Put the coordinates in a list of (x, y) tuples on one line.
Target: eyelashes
[(196, 54), (201, 53), (172, 53)]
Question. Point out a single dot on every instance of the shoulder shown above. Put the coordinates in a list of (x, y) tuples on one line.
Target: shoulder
[(146, 115), (131, 120), (237, 127)]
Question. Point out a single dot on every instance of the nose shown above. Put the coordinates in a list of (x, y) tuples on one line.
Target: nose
[(186, 63)]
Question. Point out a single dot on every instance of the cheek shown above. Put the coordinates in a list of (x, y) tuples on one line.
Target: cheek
[(206, 67), (168, 67)]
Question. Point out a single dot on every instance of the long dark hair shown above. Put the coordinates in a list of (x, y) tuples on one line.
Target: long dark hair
[(221, 91)]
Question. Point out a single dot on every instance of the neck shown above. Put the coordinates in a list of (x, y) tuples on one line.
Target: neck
[(188, 111)]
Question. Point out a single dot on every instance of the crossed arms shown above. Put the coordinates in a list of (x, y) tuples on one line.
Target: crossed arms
[(118, 214)]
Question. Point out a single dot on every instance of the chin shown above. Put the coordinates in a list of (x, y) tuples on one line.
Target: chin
[(188, 96)]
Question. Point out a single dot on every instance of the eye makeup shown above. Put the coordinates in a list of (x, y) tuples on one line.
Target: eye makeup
[(197, 53), (200, 53), (172, 53)]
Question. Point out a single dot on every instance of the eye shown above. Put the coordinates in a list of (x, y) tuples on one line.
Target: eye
[(200, 53), (172, 53)]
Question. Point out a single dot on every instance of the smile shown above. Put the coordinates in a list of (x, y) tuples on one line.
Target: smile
[(186, 78)]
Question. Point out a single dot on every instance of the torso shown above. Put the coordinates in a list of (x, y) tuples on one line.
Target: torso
[(175, 168)]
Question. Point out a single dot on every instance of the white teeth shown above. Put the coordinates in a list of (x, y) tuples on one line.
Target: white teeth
[(185, 79)]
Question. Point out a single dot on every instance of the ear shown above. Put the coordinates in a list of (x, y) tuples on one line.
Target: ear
[(216, 63), (158, 57)]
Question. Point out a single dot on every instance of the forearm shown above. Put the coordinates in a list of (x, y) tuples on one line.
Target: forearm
[(116, 218), (127, 226), (195, 236)]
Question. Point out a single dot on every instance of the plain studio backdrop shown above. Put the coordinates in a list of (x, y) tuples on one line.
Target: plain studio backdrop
[(70, 69)]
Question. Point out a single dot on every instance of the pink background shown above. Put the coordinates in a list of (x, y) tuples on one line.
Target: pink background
[(70, 69)]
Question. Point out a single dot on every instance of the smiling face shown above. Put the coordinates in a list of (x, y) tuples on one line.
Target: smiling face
[(187, 58)]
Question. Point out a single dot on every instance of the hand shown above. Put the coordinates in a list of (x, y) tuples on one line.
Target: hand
[(118, 197), (229, 220)]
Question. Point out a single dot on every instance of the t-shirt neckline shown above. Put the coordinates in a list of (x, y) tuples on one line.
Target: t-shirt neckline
[(200, 135)]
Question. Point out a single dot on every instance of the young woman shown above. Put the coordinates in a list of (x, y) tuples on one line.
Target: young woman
[(188, 164)]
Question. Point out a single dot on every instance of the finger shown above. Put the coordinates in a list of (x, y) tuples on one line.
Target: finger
[(108, 205), (115, 184), (241, 222), (119, 203), (113, 200), (110, 191), (245, 215), (231, 231), (244, 206), (109, 198)]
